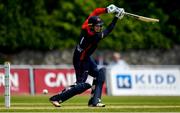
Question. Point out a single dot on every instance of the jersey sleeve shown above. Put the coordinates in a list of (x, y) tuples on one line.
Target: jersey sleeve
[(109, 28), (96, 12)]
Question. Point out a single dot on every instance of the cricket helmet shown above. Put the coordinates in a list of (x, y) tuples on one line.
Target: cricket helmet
[(95, 20)]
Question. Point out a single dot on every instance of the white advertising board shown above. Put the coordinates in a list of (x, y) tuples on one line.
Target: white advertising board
[(143, 81)]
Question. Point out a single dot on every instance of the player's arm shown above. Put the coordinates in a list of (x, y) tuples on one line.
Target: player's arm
[(98, 11), (119, 15)]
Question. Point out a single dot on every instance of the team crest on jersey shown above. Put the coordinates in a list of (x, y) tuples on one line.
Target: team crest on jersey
[(98, 19)]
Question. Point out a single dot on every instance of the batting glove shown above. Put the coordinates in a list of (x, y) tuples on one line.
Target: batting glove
[(119, 13), (111, 8)]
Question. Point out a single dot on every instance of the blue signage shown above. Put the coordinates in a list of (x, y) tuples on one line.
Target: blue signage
[(124, 81)]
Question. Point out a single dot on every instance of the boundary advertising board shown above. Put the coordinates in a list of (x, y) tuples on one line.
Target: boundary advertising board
[(33, 79), (146, 81), (19, 81)]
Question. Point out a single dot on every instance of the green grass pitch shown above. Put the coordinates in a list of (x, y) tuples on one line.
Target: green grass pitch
[(40, 103)]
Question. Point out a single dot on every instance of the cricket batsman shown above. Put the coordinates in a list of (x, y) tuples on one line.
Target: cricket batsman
[(91, 34)]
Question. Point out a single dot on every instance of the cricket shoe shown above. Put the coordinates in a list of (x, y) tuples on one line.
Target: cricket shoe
[(54, 102), (97, 105)]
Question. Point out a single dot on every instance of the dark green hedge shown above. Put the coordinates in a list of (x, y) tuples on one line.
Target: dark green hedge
[(55, 24)]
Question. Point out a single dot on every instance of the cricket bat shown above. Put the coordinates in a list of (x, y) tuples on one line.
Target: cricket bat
[(142, 18)]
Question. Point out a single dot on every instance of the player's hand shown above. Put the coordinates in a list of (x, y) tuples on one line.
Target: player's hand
[(119, 13), (111, 8)]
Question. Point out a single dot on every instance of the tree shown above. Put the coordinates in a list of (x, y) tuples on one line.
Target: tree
[(55, 24)]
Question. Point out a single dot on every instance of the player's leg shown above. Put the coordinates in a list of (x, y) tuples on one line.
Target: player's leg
[(81, 69), (69, 92), (99, 78), (97, 91)]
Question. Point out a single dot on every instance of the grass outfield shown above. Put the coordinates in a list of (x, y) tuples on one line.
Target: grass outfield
[(40, 103)]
